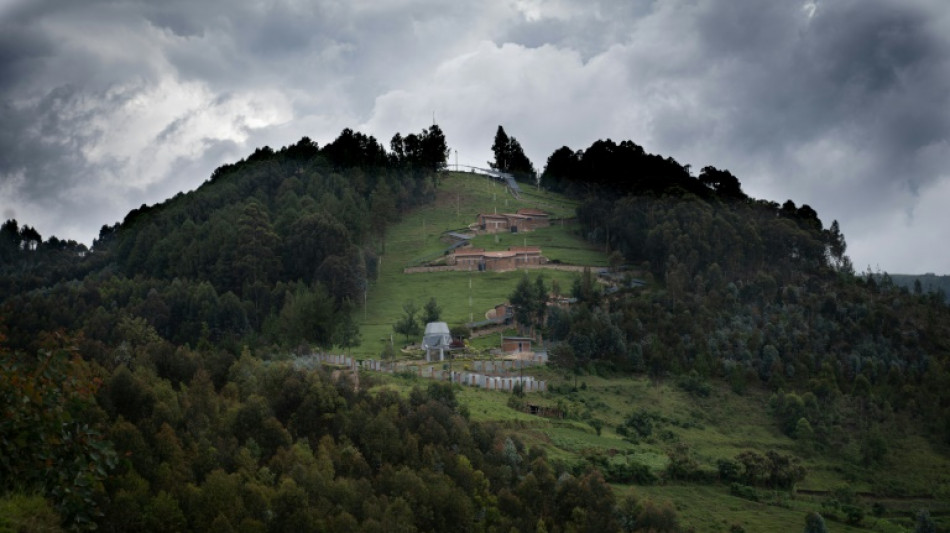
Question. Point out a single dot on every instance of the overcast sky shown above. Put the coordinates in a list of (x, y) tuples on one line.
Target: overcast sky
[(840, 104)]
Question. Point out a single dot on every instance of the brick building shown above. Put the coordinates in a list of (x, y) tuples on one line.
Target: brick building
[(523, 220), (477, 259), (516, 344)]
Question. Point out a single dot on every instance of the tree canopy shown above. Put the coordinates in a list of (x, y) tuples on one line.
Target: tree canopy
[(510, 157)]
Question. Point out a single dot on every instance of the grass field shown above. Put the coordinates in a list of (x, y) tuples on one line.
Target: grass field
[(463, 296), (716, 427)]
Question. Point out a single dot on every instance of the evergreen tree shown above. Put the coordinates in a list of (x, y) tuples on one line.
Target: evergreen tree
[(347, 334), (524, 300), (9, 239), (431, 312), (814, 523), (509, 156), (924, 524), (500, 149), (434, 151)]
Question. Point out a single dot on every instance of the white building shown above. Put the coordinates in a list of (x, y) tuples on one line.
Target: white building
[(436, 340)]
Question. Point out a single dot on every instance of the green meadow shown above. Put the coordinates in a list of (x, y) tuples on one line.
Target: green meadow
[(719, 426), (464, 296)]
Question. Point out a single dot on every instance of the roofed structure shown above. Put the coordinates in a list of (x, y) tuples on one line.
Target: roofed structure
[(511, 259), (436, 340), (523, 220)]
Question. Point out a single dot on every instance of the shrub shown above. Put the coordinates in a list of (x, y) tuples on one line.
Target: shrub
[(744, 491), (814, 523), (695, 385), (630, 473), (853, 514)]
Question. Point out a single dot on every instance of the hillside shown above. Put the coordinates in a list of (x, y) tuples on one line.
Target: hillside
[(708, 359), (749, 378), (421, 235)]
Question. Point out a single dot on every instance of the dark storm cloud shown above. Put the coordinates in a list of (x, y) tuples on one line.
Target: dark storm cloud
[(846, 110), (874, 69), (782, 74), (20, 51)]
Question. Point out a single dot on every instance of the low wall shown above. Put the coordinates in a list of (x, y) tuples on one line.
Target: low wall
[(503, 377), (451, 268)]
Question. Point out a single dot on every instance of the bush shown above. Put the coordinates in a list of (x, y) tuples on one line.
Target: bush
[(641, 423), (630, 473), (516, 402), (597, 424), (814, 523), (19, 512), (728, 470), (695, 385), (853, 514), (744, 491)]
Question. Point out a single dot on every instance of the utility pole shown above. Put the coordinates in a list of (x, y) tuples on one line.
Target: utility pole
[(526, 255)]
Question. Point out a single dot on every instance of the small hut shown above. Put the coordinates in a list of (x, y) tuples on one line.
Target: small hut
[(510, 345)]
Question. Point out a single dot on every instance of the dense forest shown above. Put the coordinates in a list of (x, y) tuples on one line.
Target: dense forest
[(147, 382), (755, 293)]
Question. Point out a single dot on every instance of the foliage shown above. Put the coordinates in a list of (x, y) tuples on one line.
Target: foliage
[(750, 291), (743, 491), (19, 512), (924, 524), (297, 447), (47, 440), (510, 157), (530, 302), (814, 523), (188, 307), (228, 256), (431, 312), (409, 324), (773, 470), (427, 150)]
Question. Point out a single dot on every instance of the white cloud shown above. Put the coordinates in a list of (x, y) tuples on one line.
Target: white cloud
[(908, 241), (155, 124)]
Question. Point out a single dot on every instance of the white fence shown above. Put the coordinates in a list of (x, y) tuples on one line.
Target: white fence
[(490, 375)]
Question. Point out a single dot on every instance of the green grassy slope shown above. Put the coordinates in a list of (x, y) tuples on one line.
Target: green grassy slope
[(716, 427), (460, 198)]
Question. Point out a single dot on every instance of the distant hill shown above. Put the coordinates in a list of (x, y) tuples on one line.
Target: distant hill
[(929, 283)]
